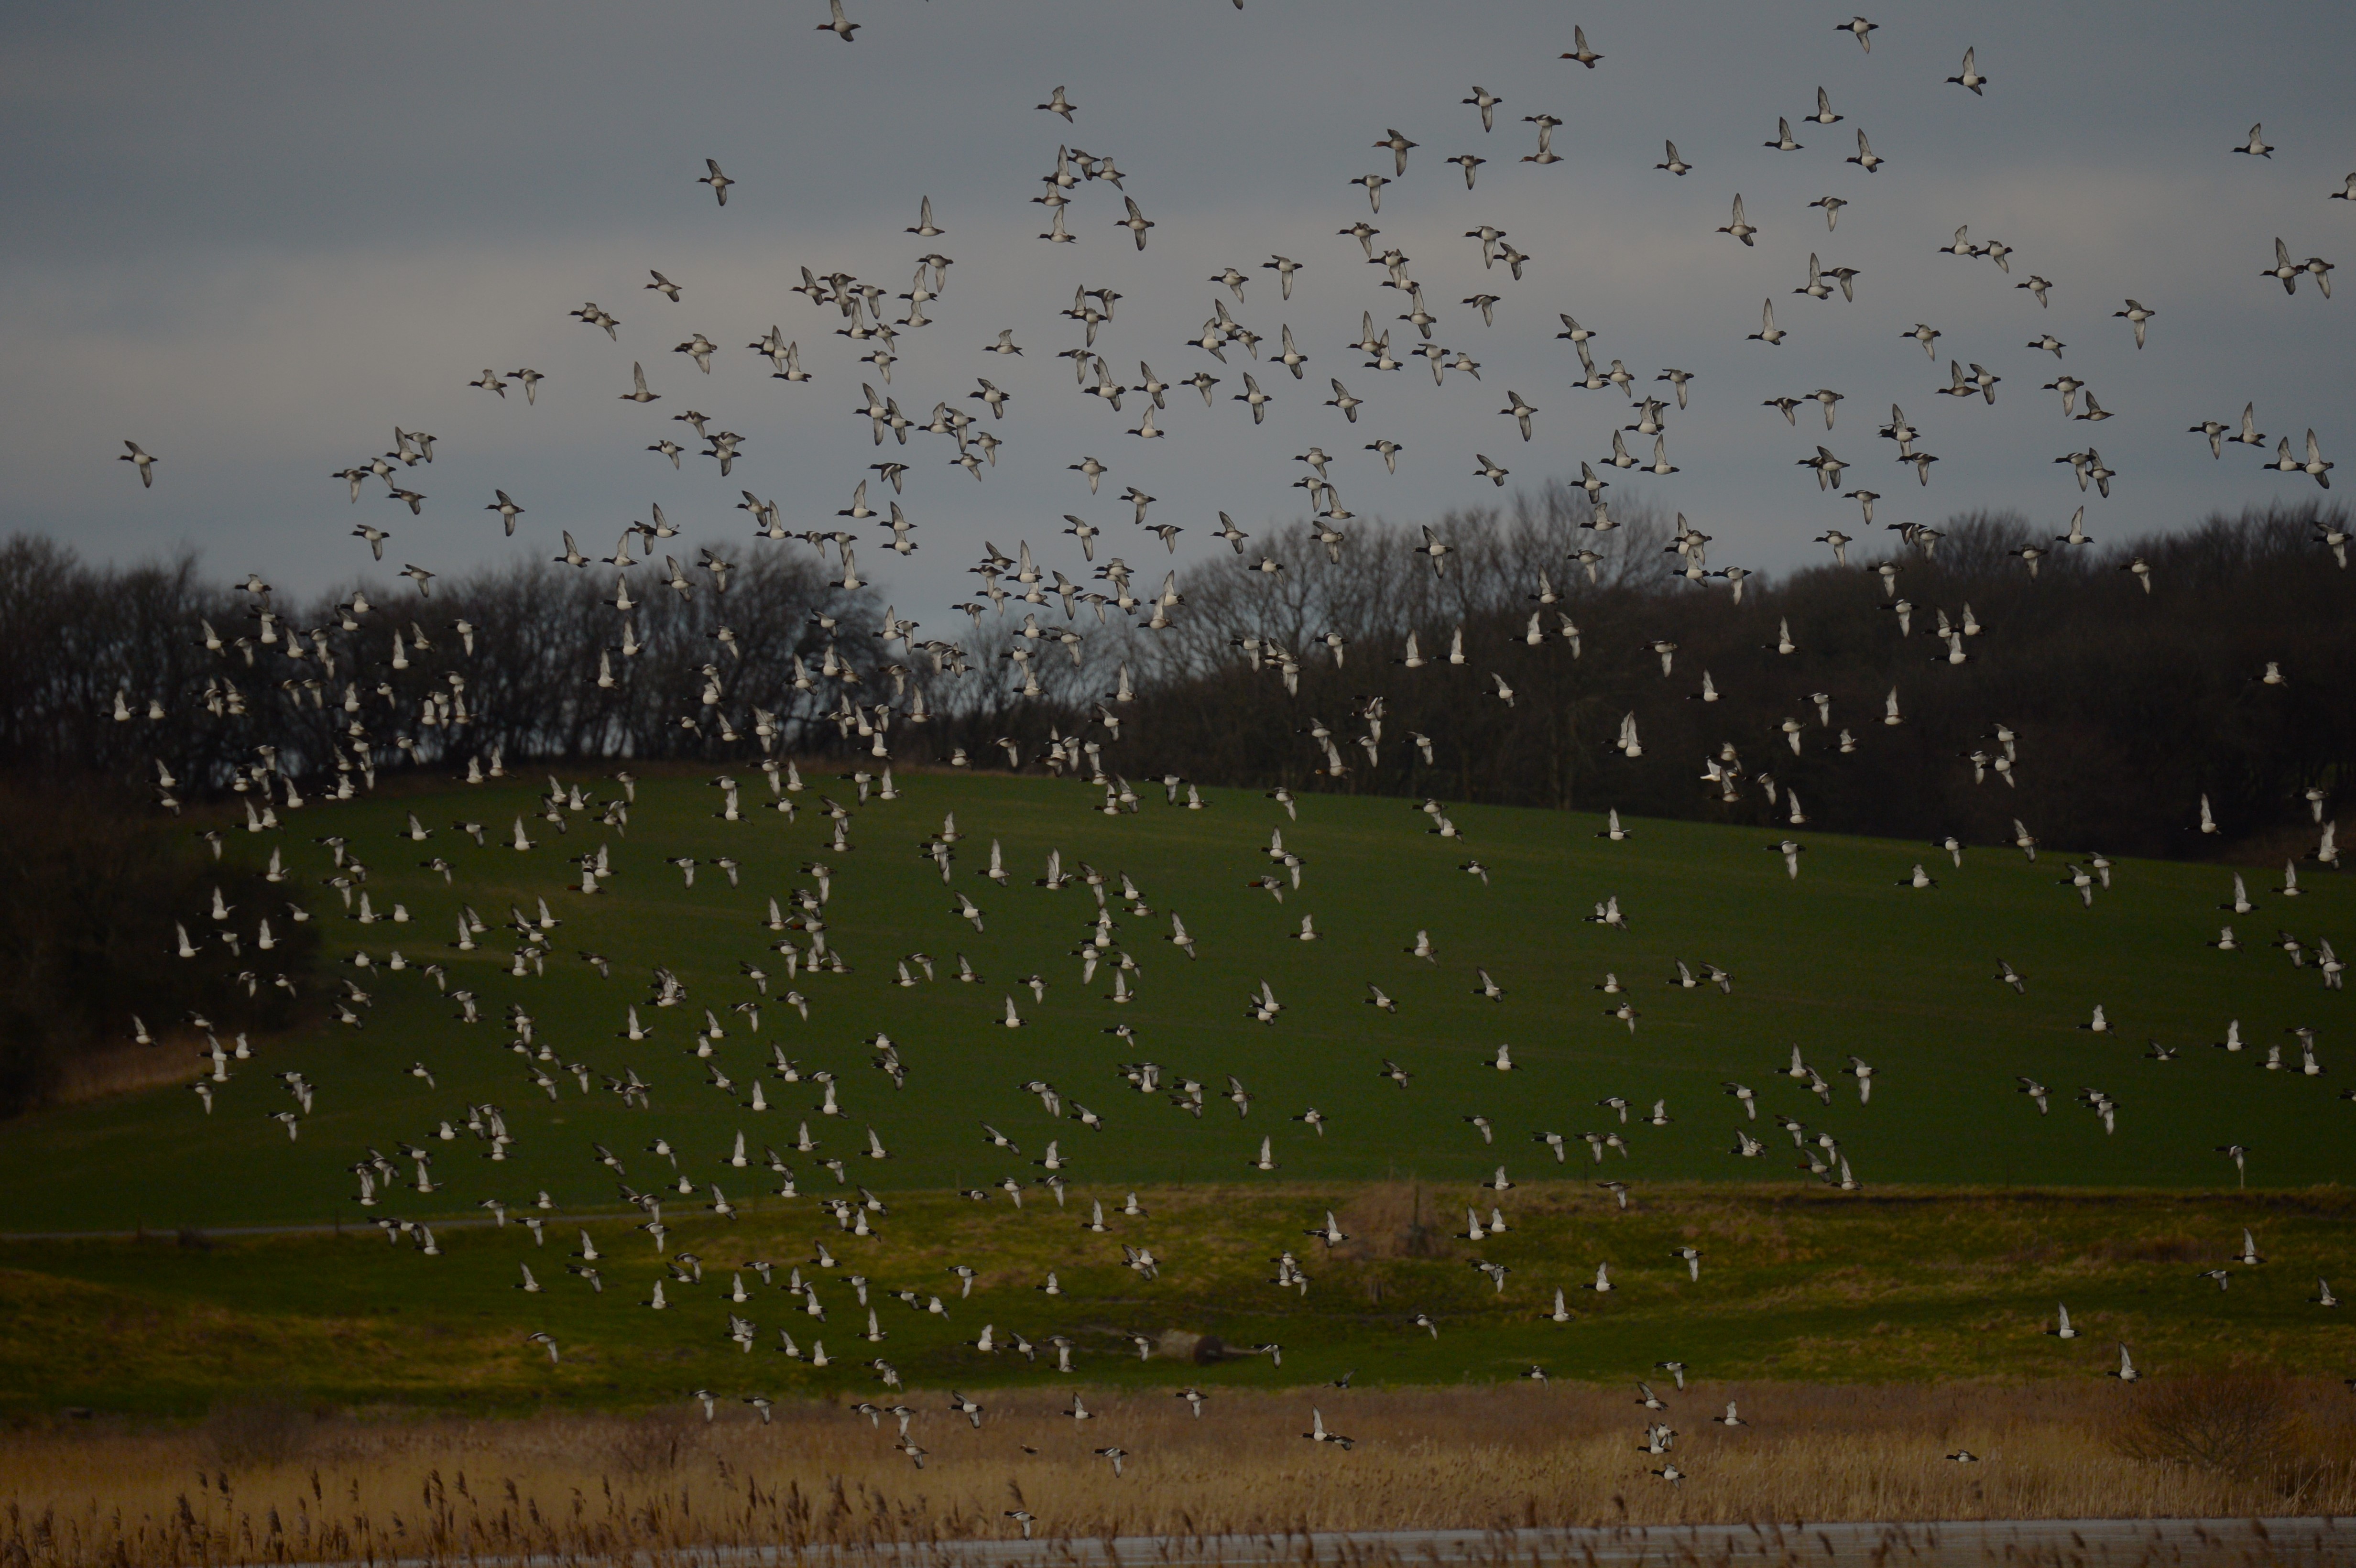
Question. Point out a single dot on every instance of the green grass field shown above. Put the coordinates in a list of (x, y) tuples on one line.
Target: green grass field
[(1812, 1286), (1840, 962)]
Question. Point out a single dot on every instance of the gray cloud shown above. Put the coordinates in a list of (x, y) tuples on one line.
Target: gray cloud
[(256, 239)]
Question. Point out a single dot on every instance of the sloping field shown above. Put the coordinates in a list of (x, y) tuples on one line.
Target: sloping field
[(1840, 963), (1974, 1213)]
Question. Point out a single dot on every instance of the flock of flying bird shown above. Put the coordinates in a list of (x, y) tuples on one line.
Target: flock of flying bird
[(1022, 584)]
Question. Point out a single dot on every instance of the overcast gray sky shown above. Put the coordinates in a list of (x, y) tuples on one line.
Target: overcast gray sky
[(255, 238)]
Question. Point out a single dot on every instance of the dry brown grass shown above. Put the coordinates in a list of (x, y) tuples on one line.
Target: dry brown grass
[(268, 1480), (121, 1069)]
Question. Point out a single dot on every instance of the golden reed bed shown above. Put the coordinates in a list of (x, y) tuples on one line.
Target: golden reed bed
[(272, 1482)]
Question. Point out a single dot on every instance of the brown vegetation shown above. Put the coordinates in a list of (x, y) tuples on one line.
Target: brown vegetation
[(122, 1068), (271, 1480)]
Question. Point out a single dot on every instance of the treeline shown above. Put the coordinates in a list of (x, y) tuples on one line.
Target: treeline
[(2124, 705), (2127, 696), (111, 671)]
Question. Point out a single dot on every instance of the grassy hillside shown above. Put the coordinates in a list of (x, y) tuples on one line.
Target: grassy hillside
[(1840, 962), (1800, 1280)]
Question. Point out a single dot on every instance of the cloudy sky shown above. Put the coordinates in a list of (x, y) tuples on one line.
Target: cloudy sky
[(256, 237)]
